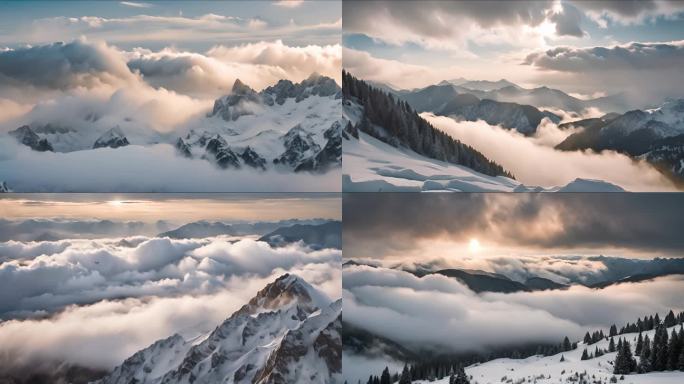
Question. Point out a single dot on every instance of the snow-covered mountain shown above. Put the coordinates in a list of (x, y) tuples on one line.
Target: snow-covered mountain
[(375, 159), (288, 333), (113, 138), (286, 126), (652, 134)]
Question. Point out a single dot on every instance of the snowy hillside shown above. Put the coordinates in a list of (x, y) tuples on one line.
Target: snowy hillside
[(551, 370), (287, 333)]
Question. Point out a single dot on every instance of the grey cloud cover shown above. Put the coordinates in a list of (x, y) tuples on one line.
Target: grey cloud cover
[(63, 65), (649, 222)]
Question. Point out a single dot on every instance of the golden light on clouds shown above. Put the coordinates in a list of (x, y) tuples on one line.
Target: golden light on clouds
[(178, 208)]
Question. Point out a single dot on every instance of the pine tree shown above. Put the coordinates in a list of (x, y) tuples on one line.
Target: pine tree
[(645, 357), (585, 355), (562, 358), (611, 345), (624, 362), (385, 376), (613, 331), (461, 377), (405, 376), (673, 349), (639, 345), (680, 364), (587, 339), (566, 344)]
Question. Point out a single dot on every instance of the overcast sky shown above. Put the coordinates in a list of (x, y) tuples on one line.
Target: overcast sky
[(424, 226), (584, 47)]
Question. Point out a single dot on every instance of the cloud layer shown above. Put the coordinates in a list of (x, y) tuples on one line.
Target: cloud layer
[(439, 312), (522, 156), (53, 291)]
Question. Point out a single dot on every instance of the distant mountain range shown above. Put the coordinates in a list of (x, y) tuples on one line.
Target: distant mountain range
[(288, 333), (617, 271), (327, 235)]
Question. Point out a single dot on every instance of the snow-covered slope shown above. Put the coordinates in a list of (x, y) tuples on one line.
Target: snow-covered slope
[(371, 165), (287, 333), (551, 370)]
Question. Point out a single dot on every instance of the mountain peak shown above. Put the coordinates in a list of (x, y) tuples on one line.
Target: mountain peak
[(241, 88), (282, 291)]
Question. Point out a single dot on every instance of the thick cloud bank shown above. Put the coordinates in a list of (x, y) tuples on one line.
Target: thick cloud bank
[(535, 161), (136, 168), (646, 71), (440, 312), (89, 302)]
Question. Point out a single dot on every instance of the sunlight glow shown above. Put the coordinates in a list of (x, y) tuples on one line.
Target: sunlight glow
[(474, 246)]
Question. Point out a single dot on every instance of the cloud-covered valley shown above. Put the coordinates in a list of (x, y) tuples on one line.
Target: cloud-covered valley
[(440, 313), (534, 161)]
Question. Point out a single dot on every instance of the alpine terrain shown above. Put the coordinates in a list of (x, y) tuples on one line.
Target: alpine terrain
[(288, 333)]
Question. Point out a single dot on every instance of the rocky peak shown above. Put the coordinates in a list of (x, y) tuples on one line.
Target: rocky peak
[(234, 105), (283, 291), (26, 136), (240, 88), (314, 85), (113, 138)]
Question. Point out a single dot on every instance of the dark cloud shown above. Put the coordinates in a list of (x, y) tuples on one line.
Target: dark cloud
[(568, 22), (633, 56), (63, 65), (375, 224)]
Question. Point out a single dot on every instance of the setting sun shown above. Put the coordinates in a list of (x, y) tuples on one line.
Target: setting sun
[(474, 246)]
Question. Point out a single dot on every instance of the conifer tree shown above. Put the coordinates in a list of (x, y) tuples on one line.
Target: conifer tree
[(624, 362), (461, 377), (645, 357), (405, 376), (639, 345), (385, 376), (585, 355), (566, 344), (611, 345)]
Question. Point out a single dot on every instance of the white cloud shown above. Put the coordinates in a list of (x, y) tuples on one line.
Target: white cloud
[(436, 311), (522, 156), (158, 168), (257, 64), (89, 302), (135, 4), (289, 3)]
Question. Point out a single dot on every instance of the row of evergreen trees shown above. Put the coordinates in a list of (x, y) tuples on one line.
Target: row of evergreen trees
[(661, 354), (456, 375), (403, 127)]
